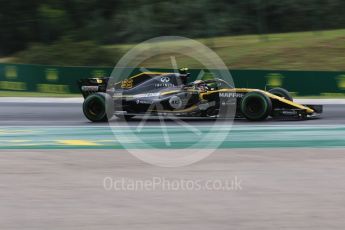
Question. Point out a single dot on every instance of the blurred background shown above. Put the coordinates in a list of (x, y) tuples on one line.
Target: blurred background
[(249, 34)]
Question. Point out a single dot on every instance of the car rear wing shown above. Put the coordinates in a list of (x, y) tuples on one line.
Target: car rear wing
[(92, 85)]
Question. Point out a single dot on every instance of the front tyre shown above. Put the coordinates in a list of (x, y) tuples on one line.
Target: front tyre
[(98, 107), (280, 92), (256, 106)]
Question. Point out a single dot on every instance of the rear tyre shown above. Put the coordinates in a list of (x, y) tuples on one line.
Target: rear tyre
[(280, 92), (98, 107), (256, 106)]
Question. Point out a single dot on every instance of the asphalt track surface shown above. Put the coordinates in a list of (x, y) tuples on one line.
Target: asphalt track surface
[(70, 114)]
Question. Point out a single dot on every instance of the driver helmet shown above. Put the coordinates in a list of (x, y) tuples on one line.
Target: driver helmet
[(184, 75)]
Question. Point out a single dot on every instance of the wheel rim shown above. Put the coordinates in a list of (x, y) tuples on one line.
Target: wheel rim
[(94, 109), (255, 107)]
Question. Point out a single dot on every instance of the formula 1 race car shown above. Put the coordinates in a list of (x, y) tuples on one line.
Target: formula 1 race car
[(152, 93)]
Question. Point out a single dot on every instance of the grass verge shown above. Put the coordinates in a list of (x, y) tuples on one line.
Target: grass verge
[(322, 50)]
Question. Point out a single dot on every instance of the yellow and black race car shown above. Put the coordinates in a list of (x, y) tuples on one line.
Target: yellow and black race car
[(170, 94)]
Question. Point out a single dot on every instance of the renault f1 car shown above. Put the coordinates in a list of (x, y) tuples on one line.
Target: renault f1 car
[(152, 93)]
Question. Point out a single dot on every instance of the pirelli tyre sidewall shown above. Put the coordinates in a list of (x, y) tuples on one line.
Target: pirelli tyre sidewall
[(280, 92), (256, 106), (98, 107)]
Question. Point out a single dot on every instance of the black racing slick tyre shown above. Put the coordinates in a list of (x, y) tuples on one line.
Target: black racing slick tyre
[(280, 92), (256, 106), (98, 107)]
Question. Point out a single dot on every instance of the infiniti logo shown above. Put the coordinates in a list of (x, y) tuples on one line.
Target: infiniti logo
[(165, 79)]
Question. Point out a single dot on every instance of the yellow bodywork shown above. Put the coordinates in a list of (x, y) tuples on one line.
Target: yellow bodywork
[(245, 90), (270, 95)]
